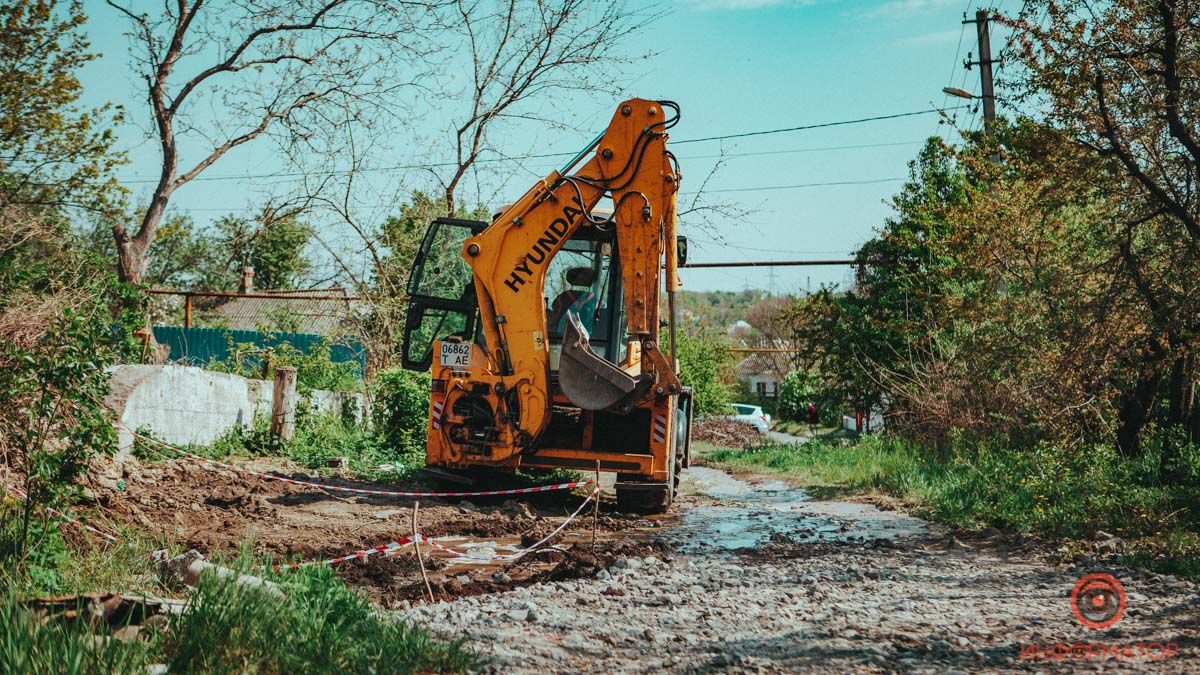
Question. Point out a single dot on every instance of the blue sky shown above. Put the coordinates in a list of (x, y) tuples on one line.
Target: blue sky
[(734, 66)]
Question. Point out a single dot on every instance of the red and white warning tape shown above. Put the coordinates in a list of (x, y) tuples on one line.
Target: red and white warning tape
[(466, 559), (459, 557), (385, 549), (361, 491), (19, 494)]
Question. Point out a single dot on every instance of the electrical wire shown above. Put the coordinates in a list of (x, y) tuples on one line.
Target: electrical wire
[(954, 64), (869, 181), (797, 186), (434, 165), (861, 120)]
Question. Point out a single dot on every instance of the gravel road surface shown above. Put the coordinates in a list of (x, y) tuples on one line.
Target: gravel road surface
[(762, 579)]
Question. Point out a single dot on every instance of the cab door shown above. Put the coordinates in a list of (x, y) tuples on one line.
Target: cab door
[(441, 292)]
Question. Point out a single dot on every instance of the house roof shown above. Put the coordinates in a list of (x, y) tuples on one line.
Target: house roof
[(758, 364), (319, 311)]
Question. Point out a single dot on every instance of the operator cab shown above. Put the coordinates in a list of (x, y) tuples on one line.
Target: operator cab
[(583, 279)]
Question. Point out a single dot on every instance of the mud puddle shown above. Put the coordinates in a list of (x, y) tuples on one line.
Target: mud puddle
[(743, 514)]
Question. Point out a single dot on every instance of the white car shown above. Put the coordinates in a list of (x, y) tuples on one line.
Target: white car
[(752, 415)]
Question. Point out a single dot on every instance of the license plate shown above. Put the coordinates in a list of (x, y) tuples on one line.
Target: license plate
[(456, 355)]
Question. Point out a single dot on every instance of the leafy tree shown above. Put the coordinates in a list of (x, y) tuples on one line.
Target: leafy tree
[(272, 244), (53, 153), (904, 277), (707, 366), (189, 257), (1122, 79)]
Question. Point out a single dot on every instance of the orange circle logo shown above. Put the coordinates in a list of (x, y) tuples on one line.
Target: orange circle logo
[(1098, 601)]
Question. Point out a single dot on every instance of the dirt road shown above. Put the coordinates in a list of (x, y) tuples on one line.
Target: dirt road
[(758, 578), (746, 574)]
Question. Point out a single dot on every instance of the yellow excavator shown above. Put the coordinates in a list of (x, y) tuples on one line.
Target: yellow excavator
[(541, 329)]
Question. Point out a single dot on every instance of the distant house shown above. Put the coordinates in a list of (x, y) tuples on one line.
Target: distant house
[(320, 311), (763, 371)]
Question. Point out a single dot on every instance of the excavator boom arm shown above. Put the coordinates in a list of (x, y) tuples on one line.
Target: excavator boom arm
[(511, 256)]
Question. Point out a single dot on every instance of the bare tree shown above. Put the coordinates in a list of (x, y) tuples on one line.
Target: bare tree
[(523, 51), (253, 68)]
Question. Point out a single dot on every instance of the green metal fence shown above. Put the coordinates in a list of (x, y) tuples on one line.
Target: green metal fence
[(199, 346)]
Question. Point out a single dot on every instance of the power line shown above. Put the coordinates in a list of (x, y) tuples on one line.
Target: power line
[(702, 242), (805, 127), (772, 263), (731, 155), (434, 165), (954, 65), (801, 150), (869, 181)]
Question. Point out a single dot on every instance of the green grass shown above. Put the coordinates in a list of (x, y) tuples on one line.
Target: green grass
[(318, 626), (123, 566), (29, 646), (1047, 491)]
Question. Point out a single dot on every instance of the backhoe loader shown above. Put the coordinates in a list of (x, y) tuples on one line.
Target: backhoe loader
[(541, 328)]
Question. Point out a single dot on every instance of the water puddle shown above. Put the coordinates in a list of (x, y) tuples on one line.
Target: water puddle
[(750, 514)]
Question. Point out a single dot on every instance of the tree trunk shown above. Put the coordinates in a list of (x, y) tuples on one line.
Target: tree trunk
[(1181, 419), (129, 259), (1194, 430), (1177, 388), (1133, 412)]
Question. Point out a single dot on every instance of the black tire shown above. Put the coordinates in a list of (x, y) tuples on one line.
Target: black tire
[(649, 499), (680, 447)]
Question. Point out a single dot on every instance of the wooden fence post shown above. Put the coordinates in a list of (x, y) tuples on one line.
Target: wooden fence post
[(283, 404)]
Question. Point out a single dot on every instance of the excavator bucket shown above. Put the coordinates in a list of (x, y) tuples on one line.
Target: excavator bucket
[(589, 381)]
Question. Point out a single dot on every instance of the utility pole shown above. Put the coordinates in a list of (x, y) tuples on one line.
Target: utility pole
[(983, 31)]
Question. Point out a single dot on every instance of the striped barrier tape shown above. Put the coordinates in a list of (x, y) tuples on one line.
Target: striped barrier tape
[(362, 491), (19, 494), (464, 559), (385, 549), (460, 558)]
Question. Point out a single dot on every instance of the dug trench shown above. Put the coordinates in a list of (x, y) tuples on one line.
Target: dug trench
[(199, 505), (747, 574)]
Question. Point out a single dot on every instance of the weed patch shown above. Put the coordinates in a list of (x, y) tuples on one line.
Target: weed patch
[(319, 626)]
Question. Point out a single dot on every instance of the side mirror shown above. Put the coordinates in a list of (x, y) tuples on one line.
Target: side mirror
[(681, 249)]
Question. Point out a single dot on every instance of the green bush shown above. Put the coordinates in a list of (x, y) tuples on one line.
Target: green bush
[(797, 389), (315, 369), (401, 409), (707, 366), (800, 387), (63, 323), (36, 569)]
